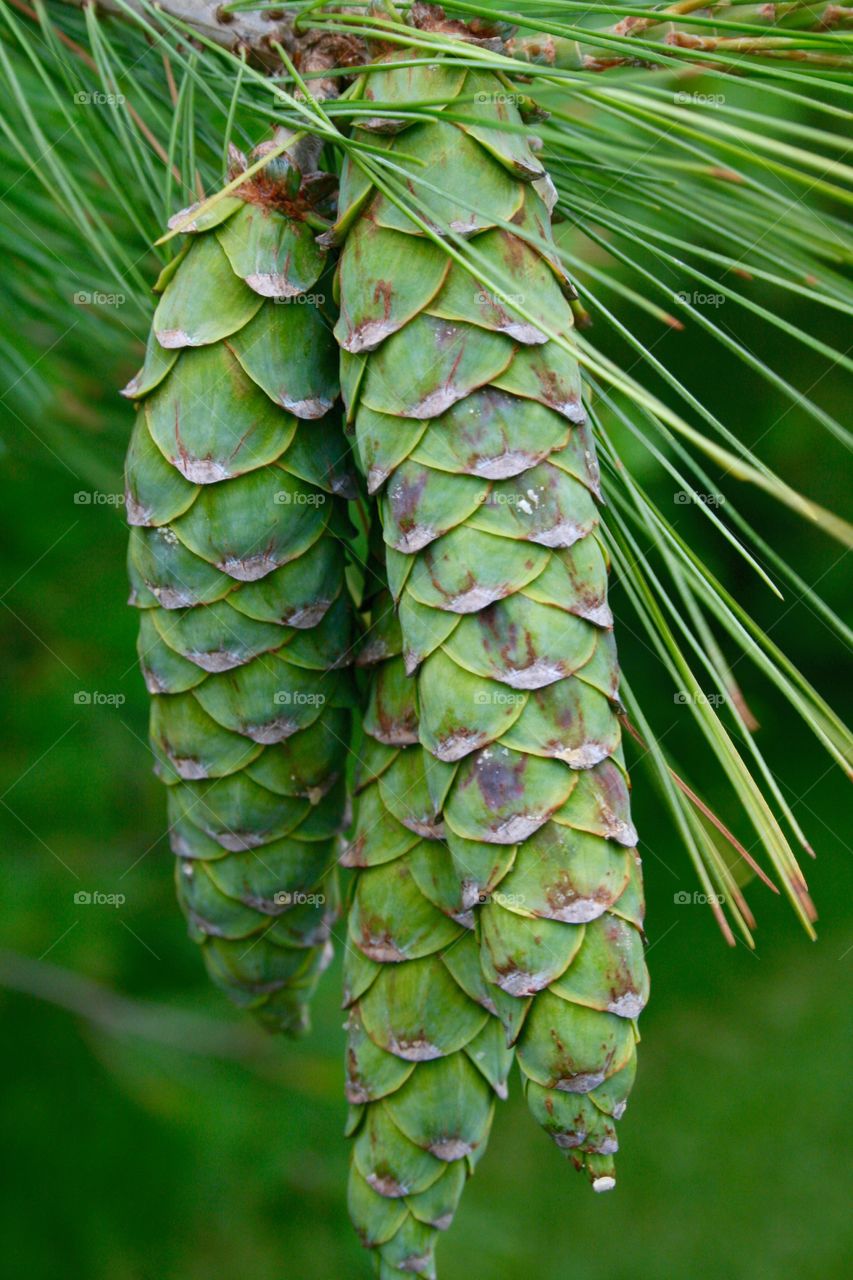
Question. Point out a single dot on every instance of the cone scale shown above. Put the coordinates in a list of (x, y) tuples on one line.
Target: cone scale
[(235, 479), (469, 428)]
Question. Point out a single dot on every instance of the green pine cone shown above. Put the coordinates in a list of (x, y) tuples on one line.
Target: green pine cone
[(426, 1051), (469, 425), (237, 565)]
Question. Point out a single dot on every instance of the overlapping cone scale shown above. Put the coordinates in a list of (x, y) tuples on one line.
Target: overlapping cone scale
[(235, 484), (426, 1048), (466, 412)]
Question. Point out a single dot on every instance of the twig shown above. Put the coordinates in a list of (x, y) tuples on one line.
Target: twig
[(250, 29), (179, 1028)]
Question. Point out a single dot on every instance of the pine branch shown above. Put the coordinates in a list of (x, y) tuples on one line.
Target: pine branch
[(636, 40), (665, 28), (256, 31)]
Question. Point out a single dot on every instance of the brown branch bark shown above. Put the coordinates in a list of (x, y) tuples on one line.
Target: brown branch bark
[(254, 31), (258, 32)]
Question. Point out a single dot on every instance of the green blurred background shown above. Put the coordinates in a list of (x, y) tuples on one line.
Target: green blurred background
[(151, 1133)]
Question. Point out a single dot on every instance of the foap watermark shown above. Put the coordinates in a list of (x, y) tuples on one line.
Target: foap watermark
[(498, 697), (497, 298), (285, 498), (682, 697), (97, 98), (508, 900), (696, 298), (287, 698), (527, 500), (502, 99), (97, 298), (286, 898), (97, 498), (700, 99), (275, 87), (698, 898), (683, 497), (95, 898), (93, 698), (301, 299)]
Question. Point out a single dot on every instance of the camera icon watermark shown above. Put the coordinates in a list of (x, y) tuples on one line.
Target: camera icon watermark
[(289, 697), (527, 501), (681, 697), (286, 898), (501, 99), (683, 498), (302, 299), (94, 898), (83, 298), (700, 99), (508, 900), (93, 698), (698, 299), (285, 499), (96, 98), (97, 498), (498, 697), (497, 298)]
